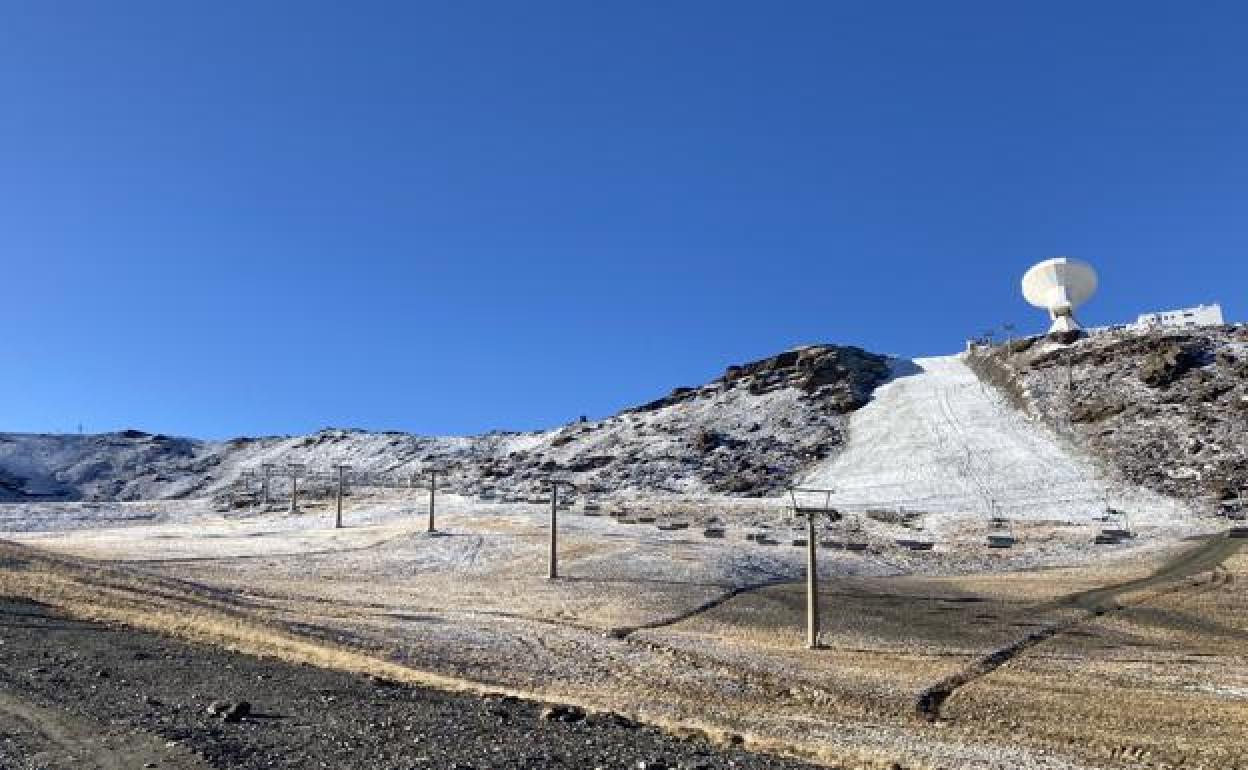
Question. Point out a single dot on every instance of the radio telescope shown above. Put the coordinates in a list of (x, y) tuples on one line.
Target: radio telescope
[(1060, 285)]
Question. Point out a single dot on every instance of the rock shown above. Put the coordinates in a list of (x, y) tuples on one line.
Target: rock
[(706, 440), (1167, 364), (611, 719), (218, 707), (591, 463), (1096, 411), (563, 713), (237, 712)]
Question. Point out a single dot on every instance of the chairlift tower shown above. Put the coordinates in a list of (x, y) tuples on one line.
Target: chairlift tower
[(265, 484), (433, 492), (342, 480), (807, 505), (552, 571), (295, 470)]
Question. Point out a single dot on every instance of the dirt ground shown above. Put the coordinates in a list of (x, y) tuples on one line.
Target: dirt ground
[(89, 695), (1135, 661)]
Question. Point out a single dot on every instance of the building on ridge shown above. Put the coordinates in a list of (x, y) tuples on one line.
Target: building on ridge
[(1201, 315)]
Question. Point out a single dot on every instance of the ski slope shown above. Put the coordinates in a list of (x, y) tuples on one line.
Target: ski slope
[(936, 440)]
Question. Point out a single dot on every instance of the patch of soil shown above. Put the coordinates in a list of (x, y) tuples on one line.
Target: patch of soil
[(104, 696)]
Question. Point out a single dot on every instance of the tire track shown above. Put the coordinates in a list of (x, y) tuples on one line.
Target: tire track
[(1093, 603), (623, 632)]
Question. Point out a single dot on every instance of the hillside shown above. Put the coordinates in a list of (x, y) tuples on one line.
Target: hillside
[(1164, 409), (747, 432)]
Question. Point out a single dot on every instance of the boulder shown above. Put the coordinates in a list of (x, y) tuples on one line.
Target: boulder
[(1167, 364)]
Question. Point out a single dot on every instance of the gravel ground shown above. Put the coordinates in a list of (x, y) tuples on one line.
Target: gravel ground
[(77, 694)]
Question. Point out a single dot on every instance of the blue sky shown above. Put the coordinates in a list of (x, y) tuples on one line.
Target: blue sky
[(257, 218)]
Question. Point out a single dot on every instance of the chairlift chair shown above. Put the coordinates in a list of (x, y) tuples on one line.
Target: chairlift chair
[(856, 536), (915, 545), (905, 518), (1108, 514), (1119, 524), (1001, 534), (1006, 540)]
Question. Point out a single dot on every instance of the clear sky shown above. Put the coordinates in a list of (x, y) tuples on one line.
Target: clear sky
[(226, 218)]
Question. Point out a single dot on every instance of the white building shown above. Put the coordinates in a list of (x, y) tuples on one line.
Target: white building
[(1201, 315)]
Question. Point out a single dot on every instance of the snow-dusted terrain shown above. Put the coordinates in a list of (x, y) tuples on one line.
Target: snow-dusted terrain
[(931, 441), (747, 432), (935, 440)]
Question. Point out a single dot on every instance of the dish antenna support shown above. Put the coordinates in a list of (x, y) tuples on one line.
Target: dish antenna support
[(1060, 285)]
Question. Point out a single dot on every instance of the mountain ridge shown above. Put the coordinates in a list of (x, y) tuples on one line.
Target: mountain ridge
[(744, 433)]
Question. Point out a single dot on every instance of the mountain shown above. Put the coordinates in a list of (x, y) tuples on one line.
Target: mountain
[(747, 432)]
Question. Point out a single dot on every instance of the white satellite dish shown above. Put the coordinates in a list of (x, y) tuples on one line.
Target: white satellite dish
[(1060, 285)]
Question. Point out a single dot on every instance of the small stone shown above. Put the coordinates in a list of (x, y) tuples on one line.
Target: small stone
[(218, 708), (562, 713), (237, 712)]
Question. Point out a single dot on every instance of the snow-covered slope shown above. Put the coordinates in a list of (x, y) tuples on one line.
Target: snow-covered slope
[(937, 440), (127, 465)]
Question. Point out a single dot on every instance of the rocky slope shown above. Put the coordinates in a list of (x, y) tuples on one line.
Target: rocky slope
[(747, 432), (1165, 409)]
